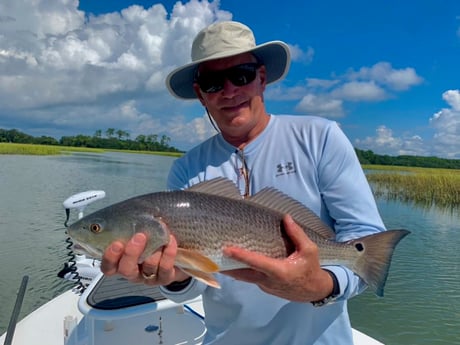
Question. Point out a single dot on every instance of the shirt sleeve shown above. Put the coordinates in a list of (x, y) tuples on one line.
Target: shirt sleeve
[(349, 200)]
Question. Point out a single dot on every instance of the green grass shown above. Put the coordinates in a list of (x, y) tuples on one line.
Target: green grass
[(41, 150), (46, 150), (422, 186), (158, 153), (425, 187)]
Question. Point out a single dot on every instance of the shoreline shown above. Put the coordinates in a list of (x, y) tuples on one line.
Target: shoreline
[(51, 150), (425, 187)]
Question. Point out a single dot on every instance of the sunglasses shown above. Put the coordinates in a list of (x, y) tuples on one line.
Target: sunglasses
[(240, 75)]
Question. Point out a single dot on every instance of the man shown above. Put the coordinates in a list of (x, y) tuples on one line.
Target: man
[(308, 158)]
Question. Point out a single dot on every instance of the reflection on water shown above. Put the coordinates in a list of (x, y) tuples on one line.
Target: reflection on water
[(422, 295)]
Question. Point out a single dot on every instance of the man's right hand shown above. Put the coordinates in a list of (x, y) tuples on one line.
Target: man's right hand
[(157, 269)]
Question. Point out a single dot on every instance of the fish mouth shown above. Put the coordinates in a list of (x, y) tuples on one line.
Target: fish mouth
[(82, 248)]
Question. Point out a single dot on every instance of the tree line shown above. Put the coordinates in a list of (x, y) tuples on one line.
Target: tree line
[(369, 157), (119, 139), (110, 139)]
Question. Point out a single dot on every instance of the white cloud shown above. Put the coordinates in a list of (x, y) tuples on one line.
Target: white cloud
[(452, 97), (320, 106), (322, 83), (200, 127), (38, 19), (446, 124), (357, 91), (444, 143), (385, 142), (58, 68), (297, 54), (279, 92), (369, 84), (383, 73)]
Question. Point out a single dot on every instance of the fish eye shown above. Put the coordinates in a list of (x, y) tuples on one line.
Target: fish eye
[(95, 228)]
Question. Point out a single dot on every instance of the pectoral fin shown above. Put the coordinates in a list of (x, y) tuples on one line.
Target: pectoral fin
[(186, 258), (206, 278), (197, 265)]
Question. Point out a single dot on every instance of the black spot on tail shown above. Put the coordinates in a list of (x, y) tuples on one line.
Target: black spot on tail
[(359, 247)]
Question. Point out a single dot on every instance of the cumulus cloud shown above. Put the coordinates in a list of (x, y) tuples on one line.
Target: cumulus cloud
[(297, 54), (58, 64), (444, 143), (369, 84), (359, 91), (446, 123), (384, 74), (385, 142), (321, 84), (201, 128), (63, 71), (320, 106)]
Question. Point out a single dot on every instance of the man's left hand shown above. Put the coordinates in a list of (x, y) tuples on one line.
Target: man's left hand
[(298, 277)]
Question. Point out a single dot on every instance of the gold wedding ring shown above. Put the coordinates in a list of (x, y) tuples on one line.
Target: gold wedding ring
[(149, 276)]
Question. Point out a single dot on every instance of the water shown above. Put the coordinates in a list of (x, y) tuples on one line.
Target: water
[(422, 295), (32, 234)]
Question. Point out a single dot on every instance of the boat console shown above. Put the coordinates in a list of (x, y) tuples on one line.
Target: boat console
[(116, 311)]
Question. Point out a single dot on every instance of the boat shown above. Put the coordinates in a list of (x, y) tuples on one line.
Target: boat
[(103, 310), (114, 311)]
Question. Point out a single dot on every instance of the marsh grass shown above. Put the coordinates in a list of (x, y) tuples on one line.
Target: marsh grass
[(45, 150), (41, 150), (425, 187)]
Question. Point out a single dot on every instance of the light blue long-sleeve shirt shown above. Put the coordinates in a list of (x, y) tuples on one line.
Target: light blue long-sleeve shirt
[(310, 159)]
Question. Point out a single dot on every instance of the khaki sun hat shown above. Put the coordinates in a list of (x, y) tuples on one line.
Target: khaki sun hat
[(223, 39)]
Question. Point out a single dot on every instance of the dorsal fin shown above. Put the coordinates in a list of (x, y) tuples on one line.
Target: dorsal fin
[(280, 202), (219, 186)]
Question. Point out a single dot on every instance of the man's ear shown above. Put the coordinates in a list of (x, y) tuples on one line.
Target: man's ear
[(263, 76), (197, 90)]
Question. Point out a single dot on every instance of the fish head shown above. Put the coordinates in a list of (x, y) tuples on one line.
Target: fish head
[(93, 233)]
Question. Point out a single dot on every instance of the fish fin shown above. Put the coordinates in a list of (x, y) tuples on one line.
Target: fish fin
[(219, 186), (275, 200), (374, 262), (191, 259), (204, 277)]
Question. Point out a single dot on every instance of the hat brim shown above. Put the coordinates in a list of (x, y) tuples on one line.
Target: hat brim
[(274, 55)]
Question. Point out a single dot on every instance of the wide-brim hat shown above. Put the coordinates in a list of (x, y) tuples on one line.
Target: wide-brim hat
[(224, 39)]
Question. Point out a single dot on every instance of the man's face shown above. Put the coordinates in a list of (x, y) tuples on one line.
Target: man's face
[(236, 109)]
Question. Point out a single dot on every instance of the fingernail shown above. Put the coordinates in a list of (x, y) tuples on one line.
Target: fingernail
[(138, 239), (288, 219), (227, 252), (116, 249)]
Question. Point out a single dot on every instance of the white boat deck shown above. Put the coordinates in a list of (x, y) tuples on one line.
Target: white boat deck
[(151, 322)]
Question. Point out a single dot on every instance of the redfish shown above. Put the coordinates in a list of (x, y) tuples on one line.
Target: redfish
[(212, 215)]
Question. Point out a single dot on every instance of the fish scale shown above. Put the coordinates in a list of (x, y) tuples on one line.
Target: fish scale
[(208, 223)]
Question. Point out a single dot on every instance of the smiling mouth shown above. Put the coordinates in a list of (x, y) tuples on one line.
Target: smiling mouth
[(235, 107)]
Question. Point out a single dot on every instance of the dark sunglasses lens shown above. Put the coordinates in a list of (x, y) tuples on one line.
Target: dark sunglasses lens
[(240, 75), (211, 82)]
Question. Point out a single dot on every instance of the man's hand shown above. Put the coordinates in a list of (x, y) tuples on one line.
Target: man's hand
[(299, 277), (157, 269)]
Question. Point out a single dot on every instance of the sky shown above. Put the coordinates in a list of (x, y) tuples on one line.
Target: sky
[(388, 71)]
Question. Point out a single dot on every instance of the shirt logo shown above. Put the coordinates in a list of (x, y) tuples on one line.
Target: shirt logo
[(285, 169)]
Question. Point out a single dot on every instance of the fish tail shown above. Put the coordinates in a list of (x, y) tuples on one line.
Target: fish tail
[(374, 260)]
